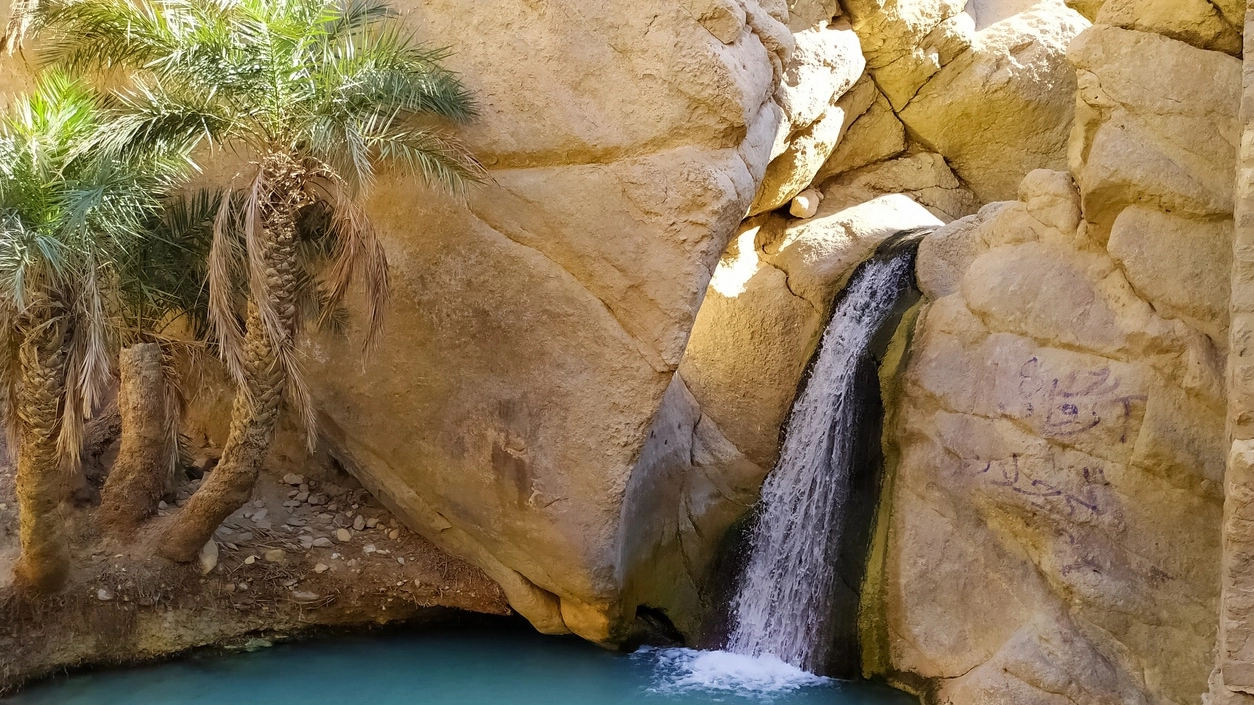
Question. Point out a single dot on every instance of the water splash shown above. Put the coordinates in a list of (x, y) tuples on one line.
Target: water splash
[(680, 671), (783, 608)]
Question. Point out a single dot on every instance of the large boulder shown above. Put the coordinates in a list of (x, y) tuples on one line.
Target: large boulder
[(1165, 137), (1053, 527), (907, 41), (1196, 22), (984, 83), (1003, 107), (819, 97), (535, 329)]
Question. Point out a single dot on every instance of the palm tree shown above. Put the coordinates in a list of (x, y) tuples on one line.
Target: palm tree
[(320, 93), (164, 307), (68, 216)]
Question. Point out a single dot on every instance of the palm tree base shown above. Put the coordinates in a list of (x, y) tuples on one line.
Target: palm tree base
[(41, 572), (140, 473)]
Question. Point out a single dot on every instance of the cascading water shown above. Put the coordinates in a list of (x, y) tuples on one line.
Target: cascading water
[(784, 605)]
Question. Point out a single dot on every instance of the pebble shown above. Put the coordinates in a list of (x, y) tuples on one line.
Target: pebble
[(295, 522), (400, 559), (325, 517), (331, 507), (250, 560), (305, 596), (301, 496), (806, 203), (359, 523), (321, 568), (306, 542), (352, 563), (291, 503), (276, 555), (257, 644), (259, 516), (104, 595), (369, 548), (343, 535), (243, 586), (259, 504), (316, 499), (322, 542), (160, 505), (304, 488), (4, 506), (246, 536), (208, 557), (293, 479), (371, 523), (394, 534)]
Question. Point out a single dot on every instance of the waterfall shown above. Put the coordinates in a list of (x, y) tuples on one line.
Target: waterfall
[(784, 605)]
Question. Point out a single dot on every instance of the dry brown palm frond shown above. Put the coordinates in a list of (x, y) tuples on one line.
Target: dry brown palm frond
[(282, 327), (73, 423), (174, 403), (298, 395), (21, 14), (258, 278), (223, 262), (96, 373), (10, 374), (357, 249), (87, 369)]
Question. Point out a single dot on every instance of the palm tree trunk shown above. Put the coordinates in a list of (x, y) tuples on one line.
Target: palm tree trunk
[(45, 561), (255, 412), (138, 477)]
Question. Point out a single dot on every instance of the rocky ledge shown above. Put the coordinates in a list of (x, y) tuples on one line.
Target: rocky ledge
[(307, 553)]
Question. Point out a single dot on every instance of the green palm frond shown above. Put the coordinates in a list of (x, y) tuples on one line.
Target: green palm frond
[(73, 220), (336, 89), (164, 281)]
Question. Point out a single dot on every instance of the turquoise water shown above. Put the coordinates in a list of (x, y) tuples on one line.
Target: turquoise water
[(464, 667)]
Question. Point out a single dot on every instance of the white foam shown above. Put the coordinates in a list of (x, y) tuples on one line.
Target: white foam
[(687, 670)]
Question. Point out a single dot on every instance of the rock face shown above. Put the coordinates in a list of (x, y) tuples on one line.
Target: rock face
[(1060, 458), (524, 409), (1053, 524), (1153, 136), (533, 334), (985, 84), (717, 433), (817, 107), (1000, 109)]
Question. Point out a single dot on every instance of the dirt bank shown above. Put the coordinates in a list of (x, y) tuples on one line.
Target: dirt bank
[(310, 551)]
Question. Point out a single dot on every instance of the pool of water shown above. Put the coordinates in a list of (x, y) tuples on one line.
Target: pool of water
[(464, 667)]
